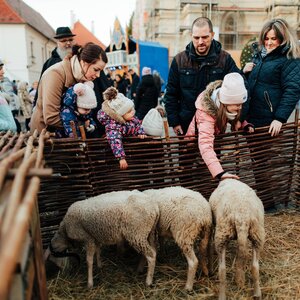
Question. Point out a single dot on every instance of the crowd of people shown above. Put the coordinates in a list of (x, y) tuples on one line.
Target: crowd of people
[(205, 92)]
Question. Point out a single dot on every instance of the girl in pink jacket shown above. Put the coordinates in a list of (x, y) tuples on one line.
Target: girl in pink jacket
[(220, 103)]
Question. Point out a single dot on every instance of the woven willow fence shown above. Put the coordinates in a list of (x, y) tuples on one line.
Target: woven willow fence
[(21, 255), (84, 168)]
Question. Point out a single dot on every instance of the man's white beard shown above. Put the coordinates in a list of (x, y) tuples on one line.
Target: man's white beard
[(63, 52)]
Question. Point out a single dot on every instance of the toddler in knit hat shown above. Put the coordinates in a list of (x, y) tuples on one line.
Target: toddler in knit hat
[(77, 106), (118, 116)]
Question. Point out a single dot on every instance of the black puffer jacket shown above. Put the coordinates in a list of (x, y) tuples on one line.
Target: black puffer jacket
[(274, 85), (189, 75), (146, 96)]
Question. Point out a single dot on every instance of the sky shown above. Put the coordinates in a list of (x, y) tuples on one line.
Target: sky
[(103, 12)]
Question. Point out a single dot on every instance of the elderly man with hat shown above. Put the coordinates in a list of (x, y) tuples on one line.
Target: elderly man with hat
[(65, 42)]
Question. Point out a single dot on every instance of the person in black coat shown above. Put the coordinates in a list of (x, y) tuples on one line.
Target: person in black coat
[(120, 84), (273, 77), (135, 80), (146, 94), (202, 62)]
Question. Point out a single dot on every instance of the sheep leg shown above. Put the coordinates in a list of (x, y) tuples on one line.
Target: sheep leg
[(98, 256), (203, 248), (255, 274), (141, 265), (151, 259), (153, 242), (192, 266), (241, 257), (90, 252), (222, 274)]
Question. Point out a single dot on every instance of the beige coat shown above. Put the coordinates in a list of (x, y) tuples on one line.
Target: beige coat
[(53, 84)]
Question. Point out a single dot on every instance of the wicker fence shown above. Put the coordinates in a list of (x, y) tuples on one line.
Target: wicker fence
[(84, 168), (21, 264)]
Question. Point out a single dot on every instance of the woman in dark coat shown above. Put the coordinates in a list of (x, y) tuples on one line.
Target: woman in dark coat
[(274, 77), (146, 94)]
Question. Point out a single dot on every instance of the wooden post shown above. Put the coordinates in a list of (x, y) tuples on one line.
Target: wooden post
[(166, 127)]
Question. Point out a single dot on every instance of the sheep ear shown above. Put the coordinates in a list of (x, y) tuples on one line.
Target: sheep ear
[(47, 253)]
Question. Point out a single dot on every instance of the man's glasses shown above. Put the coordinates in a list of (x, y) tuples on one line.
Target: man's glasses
[(66, 40)]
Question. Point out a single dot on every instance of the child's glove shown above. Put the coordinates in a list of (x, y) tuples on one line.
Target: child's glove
[(90, 128)]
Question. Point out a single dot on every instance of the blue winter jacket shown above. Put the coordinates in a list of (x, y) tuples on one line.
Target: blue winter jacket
[(274, 85), (69, 113)]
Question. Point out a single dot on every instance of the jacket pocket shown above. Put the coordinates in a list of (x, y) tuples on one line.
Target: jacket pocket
[(268, 100), (187, 78)]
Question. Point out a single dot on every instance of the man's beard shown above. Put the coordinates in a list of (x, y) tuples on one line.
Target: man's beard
[(63, 52)]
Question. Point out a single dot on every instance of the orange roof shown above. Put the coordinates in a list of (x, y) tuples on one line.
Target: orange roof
[(83, 35), (18, 12), (8, 15)]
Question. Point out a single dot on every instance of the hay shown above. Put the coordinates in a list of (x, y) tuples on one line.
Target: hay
[(279, 271)]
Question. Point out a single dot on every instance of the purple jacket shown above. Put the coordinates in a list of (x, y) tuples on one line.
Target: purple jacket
[(116, 128)]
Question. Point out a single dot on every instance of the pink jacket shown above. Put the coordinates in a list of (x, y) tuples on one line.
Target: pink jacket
[(206, 114)]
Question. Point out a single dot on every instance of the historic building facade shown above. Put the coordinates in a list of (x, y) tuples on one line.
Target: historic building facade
[(235, 22)]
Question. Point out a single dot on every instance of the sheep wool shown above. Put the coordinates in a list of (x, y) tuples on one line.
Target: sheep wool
[(184, 215), (108, 219), (238, 214)]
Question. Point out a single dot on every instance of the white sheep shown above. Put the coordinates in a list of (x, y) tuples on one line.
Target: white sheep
[(184, 215), (108, 219), (238, 214)]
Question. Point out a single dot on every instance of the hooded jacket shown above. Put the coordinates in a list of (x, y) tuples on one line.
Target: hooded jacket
[(189, 75), (205, 118), (274, 86)]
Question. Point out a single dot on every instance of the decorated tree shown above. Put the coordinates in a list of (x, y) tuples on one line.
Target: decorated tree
[(247, 52)]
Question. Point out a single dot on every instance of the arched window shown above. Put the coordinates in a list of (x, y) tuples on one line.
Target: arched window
[(228, 35)]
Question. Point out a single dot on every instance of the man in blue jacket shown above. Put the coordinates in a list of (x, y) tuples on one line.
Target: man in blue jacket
[(202, 62)]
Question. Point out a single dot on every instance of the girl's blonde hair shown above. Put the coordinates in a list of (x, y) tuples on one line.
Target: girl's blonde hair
[(284, 34), (222, 119)]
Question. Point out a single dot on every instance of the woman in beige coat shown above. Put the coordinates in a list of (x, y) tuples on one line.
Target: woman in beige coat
[(85, 64)]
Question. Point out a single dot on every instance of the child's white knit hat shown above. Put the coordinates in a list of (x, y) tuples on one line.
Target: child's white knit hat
[(117, 101), (86, 97), (233, 89)]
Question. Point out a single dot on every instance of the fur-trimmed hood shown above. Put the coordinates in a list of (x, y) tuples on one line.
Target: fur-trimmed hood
[(111, 113), (205, 102)]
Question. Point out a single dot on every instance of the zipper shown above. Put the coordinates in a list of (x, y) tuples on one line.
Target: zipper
[(267, 98)]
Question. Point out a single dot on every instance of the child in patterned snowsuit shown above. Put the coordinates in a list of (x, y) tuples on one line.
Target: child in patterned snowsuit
[(117, 115), (77, 105)]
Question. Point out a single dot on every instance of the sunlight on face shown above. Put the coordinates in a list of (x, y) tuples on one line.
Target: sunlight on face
[(92, 71), (234, 108), (129, 115), (271, 41)]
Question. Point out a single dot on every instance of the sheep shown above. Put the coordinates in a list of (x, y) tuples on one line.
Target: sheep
[(184, 215), (238, 214), (109, 219)]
